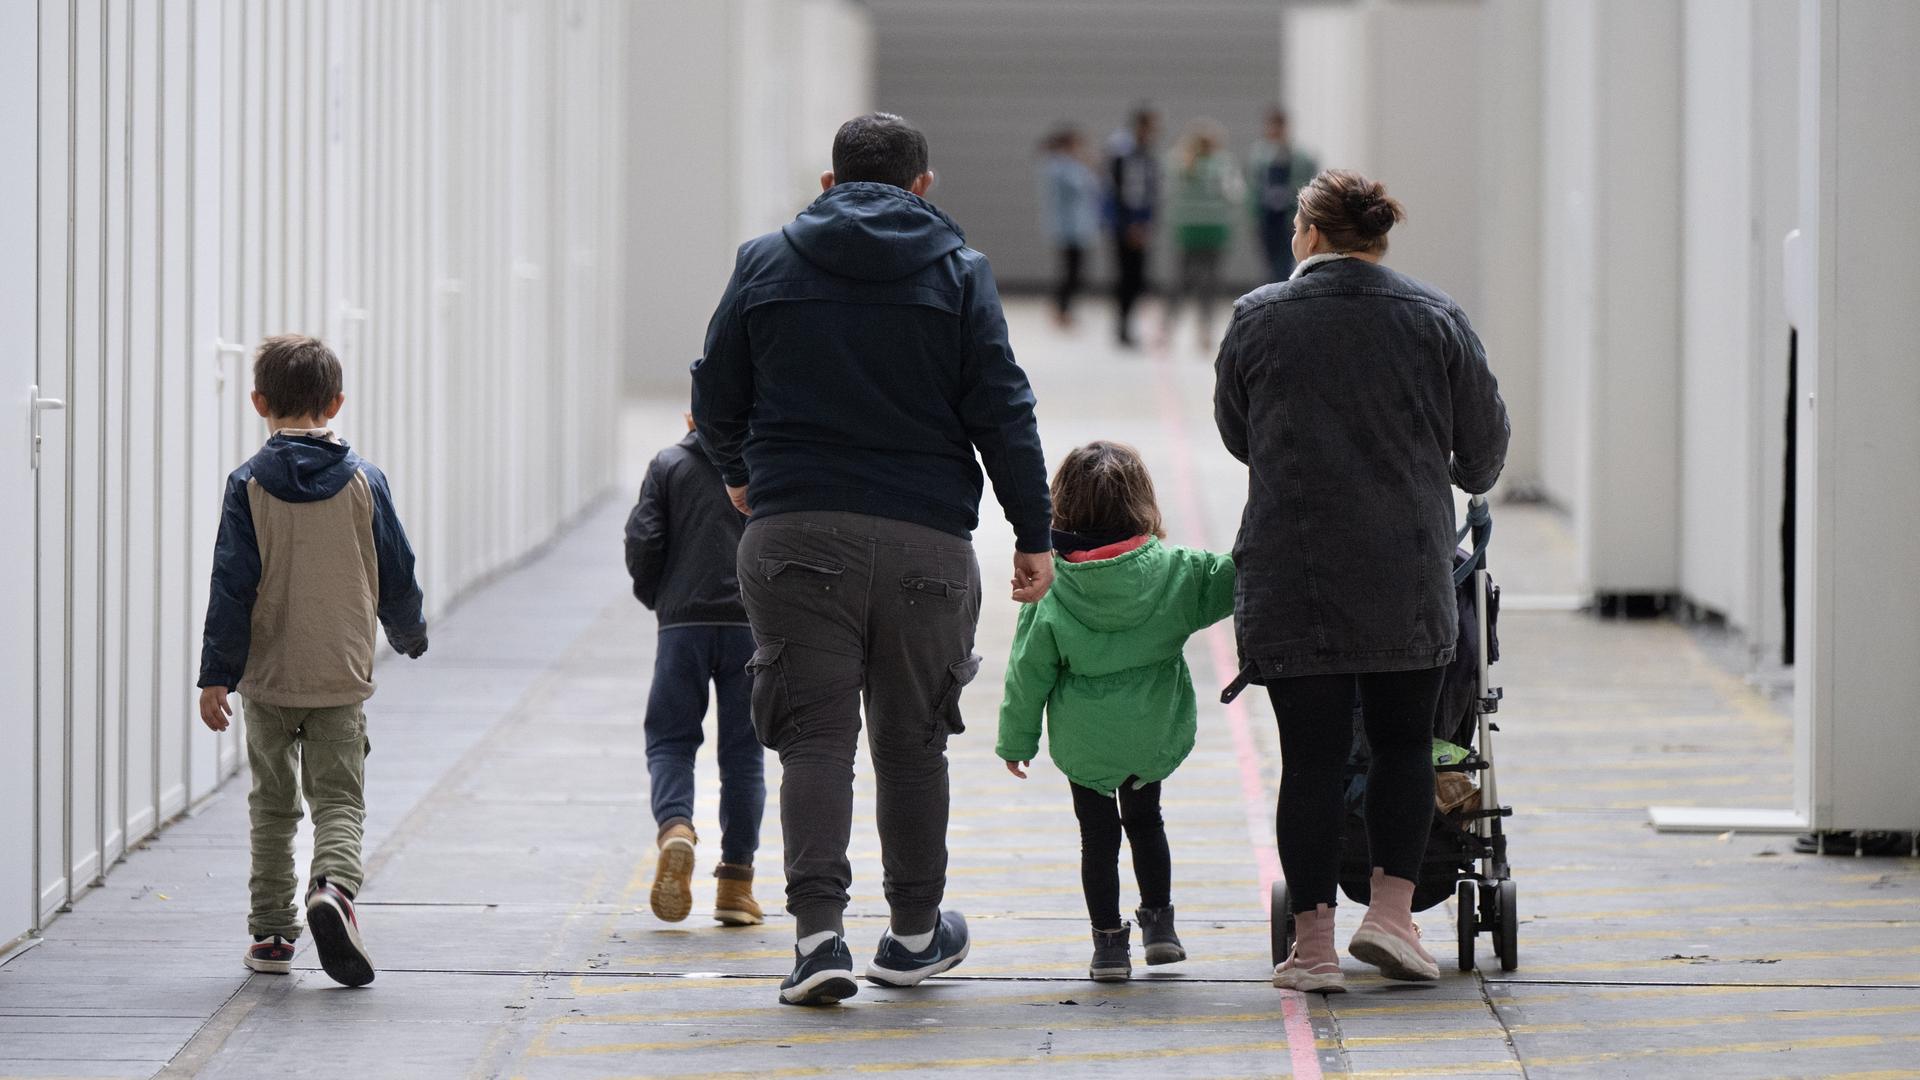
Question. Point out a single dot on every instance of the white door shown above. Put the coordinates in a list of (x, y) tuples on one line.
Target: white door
[(18, 72)]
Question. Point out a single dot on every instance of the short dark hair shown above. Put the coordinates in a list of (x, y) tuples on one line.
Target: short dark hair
[(297, 374), (879, 148), (1104, 489)]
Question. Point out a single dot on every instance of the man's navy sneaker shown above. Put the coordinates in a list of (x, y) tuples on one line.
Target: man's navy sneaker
[(821, 977), (895, 966)]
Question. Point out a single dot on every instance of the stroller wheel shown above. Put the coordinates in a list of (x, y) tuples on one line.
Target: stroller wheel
[(1468, 927), (1506, 935), (1281, 920)]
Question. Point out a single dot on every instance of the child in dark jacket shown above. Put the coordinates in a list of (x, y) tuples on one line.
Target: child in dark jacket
[(1103, 655), (682, 539), (309, 558)]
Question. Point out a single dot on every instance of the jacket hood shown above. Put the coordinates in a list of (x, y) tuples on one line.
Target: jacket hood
[(872, 232), (297, 469), (1114, 594)]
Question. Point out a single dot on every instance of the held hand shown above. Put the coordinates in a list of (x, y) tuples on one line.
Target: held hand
[(1032, 576), (214, 709), (739, 497), (1016, 768)]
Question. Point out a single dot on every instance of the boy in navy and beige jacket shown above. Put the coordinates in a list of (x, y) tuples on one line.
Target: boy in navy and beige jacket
[(310, 557)]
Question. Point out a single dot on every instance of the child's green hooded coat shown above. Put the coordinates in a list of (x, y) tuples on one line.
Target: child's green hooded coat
[(1103, 652)]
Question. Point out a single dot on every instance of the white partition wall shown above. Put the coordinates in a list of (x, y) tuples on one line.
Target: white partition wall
[(1611, 228), (438, 187), (1859, 477), (735, 103)]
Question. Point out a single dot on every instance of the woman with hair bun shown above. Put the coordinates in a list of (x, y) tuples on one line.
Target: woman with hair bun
[(1357, 396)]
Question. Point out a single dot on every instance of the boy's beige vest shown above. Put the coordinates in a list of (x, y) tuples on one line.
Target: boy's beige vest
[(315, 616)]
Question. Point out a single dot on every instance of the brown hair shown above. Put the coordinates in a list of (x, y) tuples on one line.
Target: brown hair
[(297, 374), (1103, 489), (1353, 212)]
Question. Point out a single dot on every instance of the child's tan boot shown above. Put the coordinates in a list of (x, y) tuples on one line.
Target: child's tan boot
[(1314, 964), (673, 872), (733, 902)]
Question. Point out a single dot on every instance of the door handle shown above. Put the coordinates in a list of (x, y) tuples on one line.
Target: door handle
[(221, 350), (40, 405)]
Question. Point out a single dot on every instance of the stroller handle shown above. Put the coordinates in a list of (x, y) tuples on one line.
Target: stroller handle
[(1479, 526)]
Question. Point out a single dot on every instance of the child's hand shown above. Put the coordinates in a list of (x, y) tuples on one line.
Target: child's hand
[(214, 709), (1015, 768)]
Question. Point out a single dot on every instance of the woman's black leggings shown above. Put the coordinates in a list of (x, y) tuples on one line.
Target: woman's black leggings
[(1102, 818), (1316, 736)]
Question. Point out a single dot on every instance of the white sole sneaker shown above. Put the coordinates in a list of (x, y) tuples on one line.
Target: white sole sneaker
[(916, 976), (335, 937), (1395, 958), (821, 988), (1310, 982), (269, 967)]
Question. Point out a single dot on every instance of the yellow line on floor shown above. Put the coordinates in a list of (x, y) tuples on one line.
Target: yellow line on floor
[(1046, 1061), (881, 1034), (1506, 1066), (1719, 961), (1774, 1046), (1743, 909)]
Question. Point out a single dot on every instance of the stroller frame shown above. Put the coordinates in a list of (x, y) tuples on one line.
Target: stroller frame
[(1485, 896)]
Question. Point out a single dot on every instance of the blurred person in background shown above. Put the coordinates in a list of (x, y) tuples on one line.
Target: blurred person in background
[(1133, 178), (1205, 200), (1070, 210), (1276, 171)]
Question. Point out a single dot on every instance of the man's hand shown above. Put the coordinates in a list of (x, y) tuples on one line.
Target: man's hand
[(1016, 768), (1032, 575), (214, 709), (739, 497)]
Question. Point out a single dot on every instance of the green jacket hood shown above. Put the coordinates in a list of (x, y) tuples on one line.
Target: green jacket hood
[(1115, 594)]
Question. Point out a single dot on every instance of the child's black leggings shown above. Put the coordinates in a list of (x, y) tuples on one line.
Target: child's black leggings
[(1316, 736), (1136, 811)]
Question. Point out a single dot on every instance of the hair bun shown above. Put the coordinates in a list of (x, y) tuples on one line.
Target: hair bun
[(1353, 211)]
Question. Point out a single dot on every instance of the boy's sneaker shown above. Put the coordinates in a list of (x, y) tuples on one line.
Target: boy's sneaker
[(733, 902), (673, 872), (821, 977), (1112, 961), (271, 955), (1156, 933), (894, 965), (336, 935)]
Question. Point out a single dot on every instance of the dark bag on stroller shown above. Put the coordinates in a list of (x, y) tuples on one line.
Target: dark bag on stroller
[(1455, 721)]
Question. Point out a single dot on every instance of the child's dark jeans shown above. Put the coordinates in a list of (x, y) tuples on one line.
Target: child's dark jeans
[(1136, 811), (687, 659)]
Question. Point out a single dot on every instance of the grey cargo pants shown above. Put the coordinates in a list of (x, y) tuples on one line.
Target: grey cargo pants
[(846, 608)]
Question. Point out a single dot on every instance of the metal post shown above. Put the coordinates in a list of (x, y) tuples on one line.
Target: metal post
[(100, 485), (126, 431), (159, 383), (66, 625)]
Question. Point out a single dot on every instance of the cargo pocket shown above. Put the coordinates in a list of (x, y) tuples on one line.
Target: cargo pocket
[(946, 708), (769, 693)]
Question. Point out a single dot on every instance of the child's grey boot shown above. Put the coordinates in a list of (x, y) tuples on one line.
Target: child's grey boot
[(1111, 959), (1156, 933)]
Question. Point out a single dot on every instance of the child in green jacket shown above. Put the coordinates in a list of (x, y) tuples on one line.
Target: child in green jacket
[(1103, 654)]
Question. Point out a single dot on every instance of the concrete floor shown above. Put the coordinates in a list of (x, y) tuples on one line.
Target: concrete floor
[(510, 855)]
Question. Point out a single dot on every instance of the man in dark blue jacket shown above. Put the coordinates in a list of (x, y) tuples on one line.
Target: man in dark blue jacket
[(856, 363)]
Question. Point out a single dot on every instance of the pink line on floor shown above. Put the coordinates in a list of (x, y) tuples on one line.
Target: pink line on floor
[(1301, 1045)]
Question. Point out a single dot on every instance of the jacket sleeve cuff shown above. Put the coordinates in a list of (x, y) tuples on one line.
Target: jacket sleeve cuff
[(214, 678), (1034, 540), (734, 475)]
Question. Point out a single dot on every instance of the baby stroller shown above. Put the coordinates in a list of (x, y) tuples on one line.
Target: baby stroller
[(1467, 852)]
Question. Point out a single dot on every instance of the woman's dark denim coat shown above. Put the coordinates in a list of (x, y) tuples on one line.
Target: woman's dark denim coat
[(1357, 396)]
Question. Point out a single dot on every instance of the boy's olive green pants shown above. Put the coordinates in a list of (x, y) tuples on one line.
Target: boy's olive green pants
[(321, 753)]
